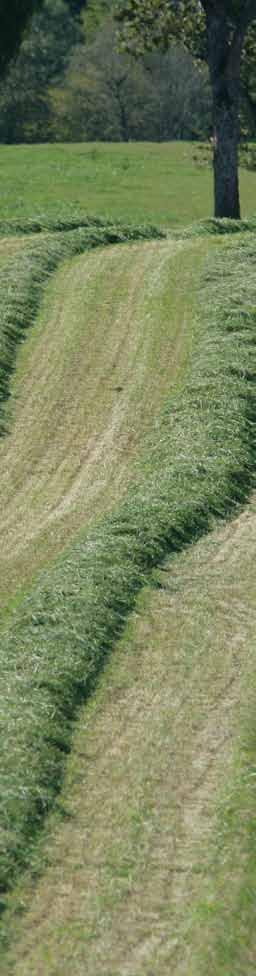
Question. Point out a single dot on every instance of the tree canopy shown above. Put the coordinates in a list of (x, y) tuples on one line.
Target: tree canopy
[(69, 82), (14, 17)]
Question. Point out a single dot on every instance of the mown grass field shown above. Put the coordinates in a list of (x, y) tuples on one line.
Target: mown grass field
[(150, 866), (166, 184), (127, 578)]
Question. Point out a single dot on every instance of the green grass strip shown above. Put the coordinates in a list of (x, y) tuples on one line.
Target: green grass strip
[(45, 223), (23, 278), (216, 226), (199, 464), (223, 920)]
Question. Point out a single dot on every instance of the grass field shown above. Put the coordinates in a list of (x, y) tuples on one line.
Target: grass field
[(127, 812), (153, 868), (165, 184)]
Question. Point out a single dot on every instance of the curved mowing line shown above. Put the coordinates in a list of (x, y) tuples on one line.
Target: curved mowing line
[(200, 465), (73, 446), (23, 279), (37, 225)]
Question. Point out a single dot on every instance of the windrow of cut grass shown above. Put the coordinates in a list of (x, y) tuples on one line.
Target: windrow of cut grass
[(24, 276), (55, 224), (199, 464), (217, 226), (15, 226), (153, 868)]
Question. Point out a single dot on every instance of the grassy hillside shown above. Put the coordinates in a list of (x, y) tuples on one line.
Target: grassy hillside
[(152, 866), (128, 432), (165, 184), (50, 483), (57, 642), (48, 494)]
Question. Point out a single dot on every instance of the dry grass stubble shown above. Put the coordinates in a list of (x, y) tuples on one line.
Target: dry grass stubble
[(91, 377), (150, 754)]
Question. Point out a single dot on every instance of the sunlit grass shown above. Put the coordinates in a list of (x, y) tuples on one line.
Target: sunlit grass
[(166, 183), (199, 465)]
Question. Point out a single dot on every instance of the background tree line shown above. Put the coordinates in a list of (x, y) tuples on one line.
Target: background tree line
[(68, 82)]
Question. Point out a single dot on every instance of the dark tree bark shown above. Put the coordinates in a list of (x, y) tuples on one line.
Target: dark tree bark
[(224, 64), (225, 38)]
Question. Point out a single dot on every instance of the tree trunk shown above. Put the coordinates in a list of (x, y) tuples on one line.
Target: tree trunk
[(226, 140), (224, 57)]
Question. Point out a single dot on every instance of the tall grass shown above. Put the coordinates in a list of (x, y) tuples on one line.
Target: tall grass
[(198, 465)]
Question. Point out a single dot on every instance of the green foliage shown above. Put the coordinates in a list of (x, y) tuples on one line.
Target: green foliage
[(155, 23), (149, 23), (110, 96), (43, 57), (70, 80), (66, 85), (199, 464), (95, 12), (14, 16)]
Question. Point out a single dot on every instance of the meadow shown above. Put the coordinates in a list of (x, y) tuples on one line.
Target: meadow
[(167, 184), (127, 384)]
